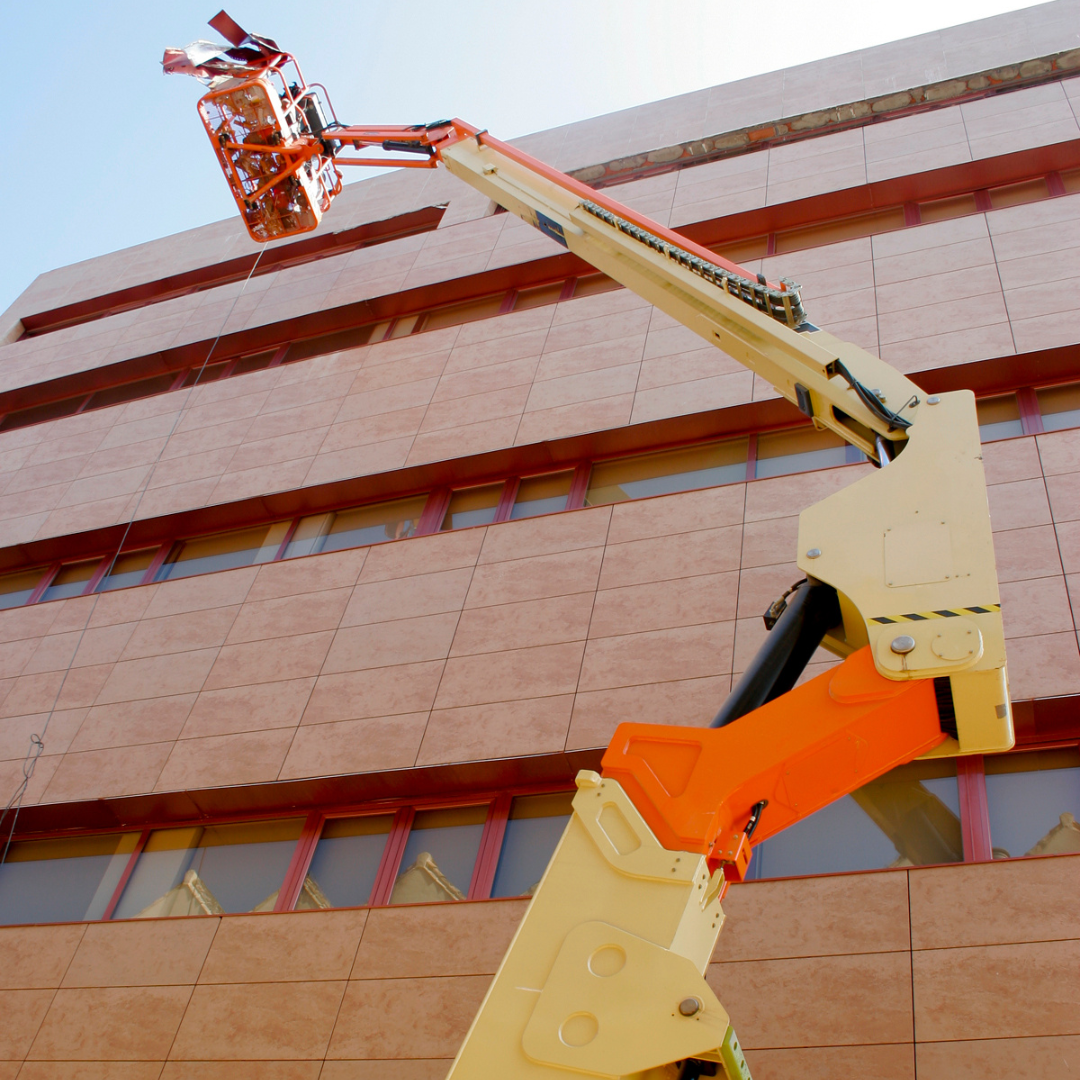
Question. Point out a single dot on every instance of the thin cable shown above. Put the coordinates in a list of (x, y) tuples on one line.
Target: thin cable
[(37, 740)]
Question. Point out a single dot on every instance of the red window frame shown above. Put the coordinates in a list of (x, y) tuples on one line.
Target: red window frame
[(483, 875), (970, 778)]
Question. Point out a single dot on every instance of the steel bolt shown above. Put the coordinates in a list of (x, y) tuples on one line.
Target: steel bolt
[(903, 644), (933, 399), (689, 1006), (814, 553)]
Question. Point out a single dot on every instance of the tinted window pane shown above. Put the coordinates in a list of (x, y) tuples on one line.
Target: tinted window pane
[(62, 880), (473, 506), (944, 209), (798, 451), (538, 296), (440, 855), (117, 395), (592, 284), (16, 589), (1034, 801), (659, 474), (536, 824), (346, 860), (256, 362), (1060, 406), (541, 495), (128, 569), (224, 552), (71, 580), (356, 528), (38, 414), (203, 375), (999, 417), (210, 870), (463, 313), (910, 817)]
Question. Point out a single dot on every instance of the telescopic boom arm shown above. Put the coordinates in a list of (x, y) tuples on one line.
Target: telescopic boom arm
[(604, 977)]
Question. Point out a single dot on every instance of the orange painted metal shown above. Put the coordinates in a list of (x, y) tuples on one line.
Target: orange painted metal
[(696, 787)]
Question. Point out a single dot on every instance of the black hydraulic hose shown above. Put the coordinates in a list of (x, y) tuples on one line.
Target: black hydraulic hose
[(812, 611)]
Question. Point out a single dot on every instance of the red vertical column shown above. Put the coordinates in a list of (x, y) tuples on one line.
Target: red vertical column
[(487, 858), (974, 810), (301, 860)]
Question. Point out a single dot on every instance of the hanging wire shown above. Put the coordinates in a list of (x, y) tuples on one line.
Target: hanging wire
[(37, 740)]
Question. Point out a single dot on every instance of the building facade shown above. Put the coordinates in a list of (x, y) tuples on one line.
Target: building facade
[(324, 568)]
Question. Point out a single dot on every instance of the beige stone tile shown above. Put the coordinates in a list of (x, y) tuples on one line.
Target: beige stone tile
[(430, 940), (998, 903), (225, 760), (442, 1009), (258, 1021), (293, 947), (1033, 1058), (141, 953), (501, 729), (827, 916), (817, 1001), (960, 993), (36, 957), (111, 1023)]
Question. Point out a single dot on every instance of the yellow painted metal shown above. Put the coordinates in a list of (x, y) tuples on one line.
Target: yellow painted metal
[(913, 537), (616, 939)]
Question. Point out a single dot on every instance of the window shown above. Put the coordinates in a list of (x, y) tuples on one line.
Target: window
[(538, 296), (207, 870), (346, 862), (909, 817), (202, 375), (541, 495), (117, 395), (473, 506), (594, 284), (65, 880), (659, 474), (40, 414), (463, 313), (833, 232), (801, 450), (1060, 406), (440, 855), (533, 830), (17, 588), (999, 417), (354, 528), (71, 580), (128, 569), (254, 362), (1034, 801), (944, 209), (1017, 194), (223, 552)]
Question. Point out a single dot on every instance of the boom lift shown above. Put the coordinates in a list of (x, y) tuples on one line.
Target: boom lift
[(604, 977)]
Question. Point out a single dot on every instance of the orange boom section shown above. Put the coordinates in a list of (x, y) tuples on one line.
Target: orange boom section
[(702, 789)]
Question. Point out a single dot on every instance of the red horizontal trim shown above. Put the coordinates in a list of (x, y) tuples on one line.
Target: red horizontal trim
[(984, 377), (923, 187), (209, 277), (496, 465), (1046, 721), (472, 780), (316, 324), (816, 210)]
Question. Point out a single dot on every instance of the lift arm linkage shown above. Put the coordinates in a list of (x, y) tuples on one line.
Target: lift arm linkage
[(606, 974)]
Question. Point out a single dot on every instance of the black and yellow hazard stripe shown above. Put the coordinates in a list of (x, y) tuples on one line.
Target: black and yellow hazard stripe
[(945, 613)]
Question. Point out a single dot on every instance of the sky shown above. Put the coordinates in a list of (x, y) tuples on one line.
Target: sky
[(101, 151)]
